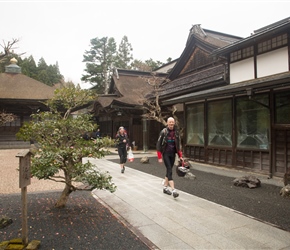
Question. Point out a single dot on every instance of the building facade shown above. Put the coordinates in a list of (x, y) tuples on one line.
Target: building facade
[(21, 96), (124, 106), (237, 111)]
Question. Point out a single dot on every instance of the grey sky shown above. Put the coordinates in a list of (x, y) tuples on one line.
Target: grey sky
[(60, 31)]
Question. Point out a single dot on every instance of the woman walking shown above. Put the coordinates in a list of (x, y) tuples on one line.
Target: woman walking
[(122, 141)]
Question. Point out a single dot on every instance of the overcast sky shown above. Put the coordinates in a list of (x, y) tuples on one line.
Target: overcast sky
[(60, 31)]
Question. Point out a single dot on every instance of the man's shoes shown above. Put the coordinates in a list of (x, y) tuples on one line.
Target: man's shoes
[(175, 194), (166, 191), (123, 170)]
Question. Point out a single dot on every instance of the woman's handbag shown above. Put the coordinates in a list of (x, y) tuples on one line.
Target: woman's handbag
[(130, 155)]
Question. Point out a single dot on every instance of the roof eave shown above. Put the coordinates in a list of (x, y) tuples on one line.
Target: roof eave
[(277, 81), (253, 38)]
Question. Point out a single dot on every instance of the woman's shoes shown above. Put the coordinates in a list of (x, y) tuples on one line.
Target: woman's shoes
[(123, 170)]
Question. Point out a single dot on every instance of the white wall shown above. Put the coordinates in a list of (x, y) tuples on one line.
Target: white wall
[(273, 62), (242, 70), (270, 63)]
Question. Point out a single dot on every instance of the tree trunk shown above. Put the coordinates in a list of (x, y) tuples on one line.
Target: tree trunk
[(63, 197)]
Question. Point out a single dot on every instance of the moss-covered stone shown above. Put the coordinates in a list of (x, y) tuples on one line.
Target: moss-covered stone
[(3, 245), (33, 245), (15, 247), (15, 241)]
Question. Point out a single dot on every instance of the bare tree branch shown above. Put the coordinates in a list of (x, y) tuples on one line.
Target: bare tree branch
[(8, 49), (152, 107), (6, 117)]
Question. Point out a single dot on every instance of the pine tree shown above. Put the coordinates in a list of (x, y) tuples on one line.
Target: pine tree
[(100, 62), (61, 147), (124, 55), (28, 67)]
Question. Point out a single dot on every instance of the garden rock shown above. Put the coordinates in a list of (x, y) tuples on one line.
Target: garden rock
[(5, 221), (285, 191), (190, 176), (247, 181), (144, 159)]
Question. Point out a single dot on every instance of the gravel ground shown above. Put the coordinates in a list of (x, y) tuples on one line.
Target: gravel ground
[(9, 175), (263, 203), (85, 224)]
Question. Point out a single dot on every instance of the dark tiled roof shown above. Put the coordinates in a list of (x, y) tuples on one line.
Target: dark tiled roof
[(192, 82), (128, 88), (206, 40), (105, 101), (21, 87), (273, 81), (132, 89), (219, 39)]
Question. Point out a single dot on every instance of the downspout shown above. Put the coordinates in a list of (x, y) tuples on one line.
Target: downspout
[(145, 134), (271, 159)]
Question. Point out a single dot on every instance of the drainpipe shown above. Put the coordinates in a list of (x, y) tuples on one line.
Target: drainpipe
[(145, 146)]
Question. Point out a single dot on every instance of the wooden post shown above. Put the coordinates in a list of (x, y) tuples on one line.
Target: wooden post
[(24, 181)]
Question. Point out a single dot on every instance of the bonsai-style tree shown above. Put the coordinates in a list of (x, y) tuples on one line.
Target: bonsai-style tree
[(60, 145)]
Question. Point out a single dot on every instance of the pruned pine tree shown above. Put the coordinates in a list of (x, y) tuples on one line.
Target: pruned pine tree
[(61, 146), (99, 63)]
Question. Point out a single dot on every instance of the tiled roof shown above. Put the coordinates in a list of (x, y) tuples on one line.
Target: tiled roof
[(129, 88), (19, 86), (195, 69), (204, 39), (273, 81), (201, 79)]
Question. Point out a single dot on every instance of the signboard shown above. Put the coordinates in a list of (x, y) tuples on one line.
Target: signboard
[(24, 168)]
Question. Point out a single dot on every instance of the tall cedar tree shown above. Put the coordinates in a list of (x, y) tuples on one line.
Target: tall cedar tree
[(124, 55), (100, 61)]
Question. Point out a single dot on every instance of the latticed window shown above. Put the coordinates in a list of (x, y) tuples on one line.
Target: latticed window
[(220, 123), (235, 56), (247, 52), (253, 122), (242, 54), (282, 107), (274, 43), (195, 124)]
